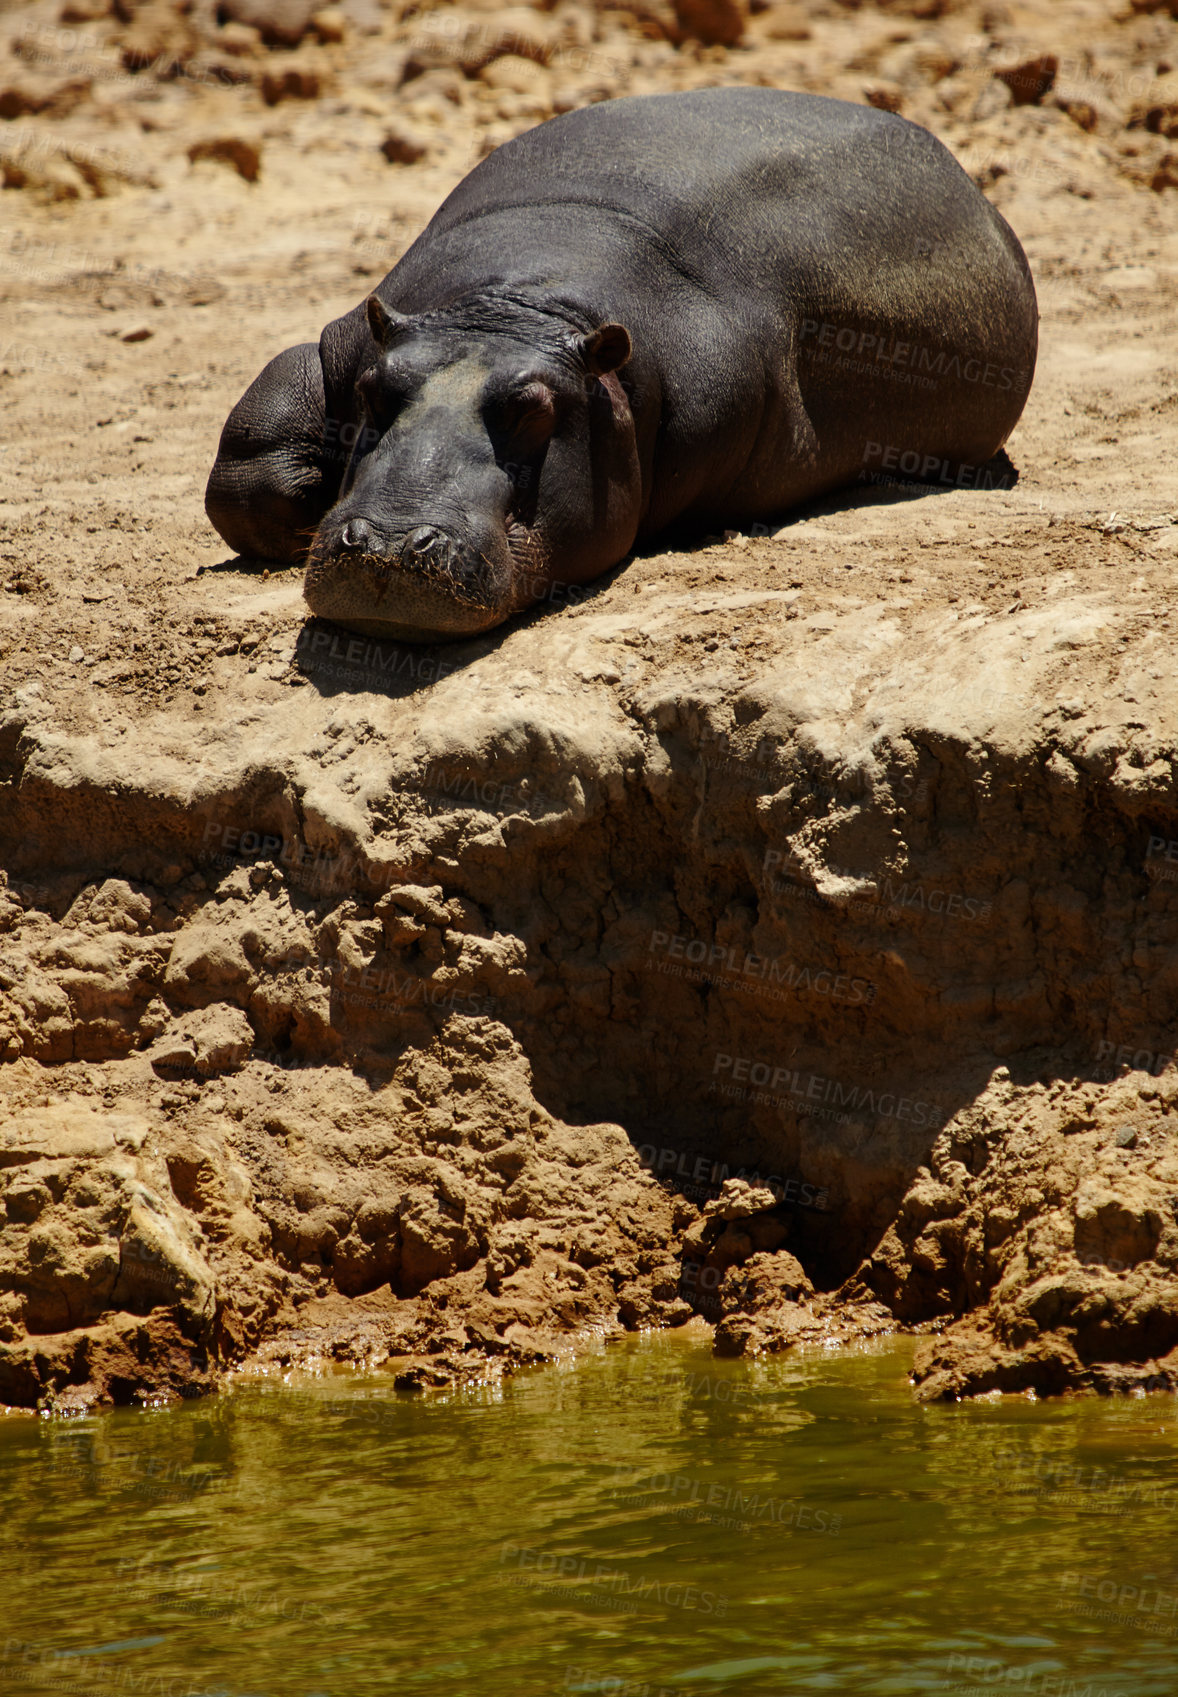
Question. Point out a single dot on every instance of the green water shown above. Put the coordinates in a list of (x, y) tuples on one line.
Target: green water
[(648, 1521)]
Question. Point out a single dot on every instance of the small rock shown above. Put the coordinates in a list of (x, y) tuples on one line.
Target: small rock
[(1157, 110), (137, 333), (512, 73), (401, 148), (282, 23), (210, 1040), (1081, 112), (996, 17), (1031, 79), (158, 35), (736, 1335), (886, 97), (244, 156), (738, 1199), (49, 179), (174, 1053), (936, 62), (1126, 1137), (329, 25), (731, 1248), (294, 82), (242, 40), (717, 23), (20, 98), (77, 655), (475, 43)]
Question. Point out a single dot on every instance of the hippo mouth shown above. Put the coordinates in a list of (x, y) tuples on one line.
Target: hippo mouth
[(430, 588)]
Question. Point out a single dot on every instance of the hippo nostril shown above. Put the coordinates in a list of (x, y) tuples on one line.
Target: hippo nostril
[(355, 535), (426, 539)]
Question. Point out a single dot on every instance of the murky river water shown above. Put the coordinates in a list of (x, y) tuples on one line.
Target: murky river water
[(647, 1522)]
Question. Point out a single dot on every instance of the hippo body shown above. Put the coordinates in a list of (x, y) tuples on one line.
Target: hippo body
[(703, 307)]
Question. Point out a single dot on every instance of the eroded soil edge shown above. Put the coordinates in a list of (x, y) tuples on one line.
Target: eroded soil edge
[(647, 999)]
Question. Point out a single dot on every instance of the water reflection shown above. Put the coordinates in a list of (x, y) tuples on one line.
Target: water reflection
[(649, 1520)]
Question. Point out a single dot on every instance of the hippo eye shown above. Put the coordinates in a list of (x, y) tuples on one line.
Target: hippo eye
[(377, 398), (533, 397), (530, 413)]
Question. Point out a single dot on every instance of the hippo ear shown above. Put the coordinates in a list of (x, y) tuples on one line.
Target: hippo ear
[(383, 323), (605, 348)]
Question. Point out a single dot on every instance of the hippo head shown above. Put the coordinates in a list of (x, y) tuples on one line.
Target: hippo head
[(494, 456)]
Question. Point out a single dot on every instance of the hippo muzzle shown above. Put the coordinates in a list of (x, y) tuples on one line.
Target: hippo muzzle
[(411, 582)]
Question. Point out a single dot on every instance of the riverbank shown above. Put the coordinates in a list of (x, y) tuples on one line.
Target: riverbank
[(781, 935)]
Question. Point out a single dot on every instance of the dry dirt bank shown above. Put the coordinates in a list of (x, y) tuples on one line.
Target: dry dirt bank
[(784, 933)]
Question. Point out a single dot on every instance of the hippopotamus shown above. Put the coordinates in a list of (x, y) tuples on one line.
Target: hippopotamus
[(683, 309)]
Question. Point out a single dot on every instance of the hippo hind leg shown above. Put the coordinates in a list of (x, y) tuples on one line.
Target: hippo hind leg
[(271, 482)]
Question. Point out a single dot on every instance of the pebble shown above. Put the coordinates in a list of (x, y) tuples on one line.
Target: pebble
[(293, 82), (401, 148), (244, 156), (1031, 79)]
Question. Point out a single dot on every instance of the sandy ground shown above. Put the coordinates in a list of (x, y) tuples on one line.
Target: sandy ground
[(134, 317)]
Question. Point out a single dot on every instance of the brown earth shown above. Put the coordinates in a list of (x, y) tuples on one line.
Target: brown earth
[(784, 933)]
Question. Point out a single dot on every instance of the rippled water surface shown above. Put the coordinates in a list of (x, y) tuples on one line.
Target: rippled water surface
[(648, 1521)]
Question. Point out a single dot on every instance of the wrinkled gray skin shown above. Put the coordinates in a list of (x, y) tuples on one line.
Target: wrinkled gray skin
[(704, 307)]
